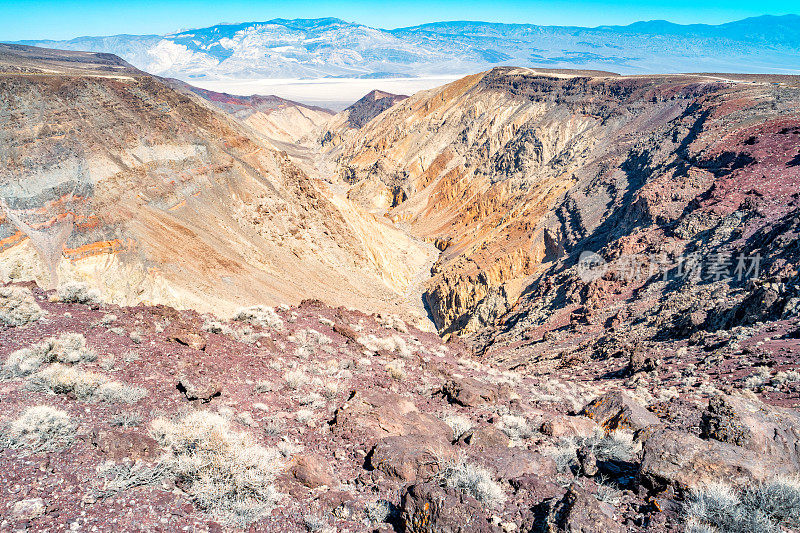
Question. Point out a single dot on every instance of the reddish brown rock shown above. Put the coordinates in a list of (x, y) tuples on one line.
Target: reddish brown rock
[(313, 470), (118, 445), (683, 460), (376, 415), (769, 431), (484, 436), (569, 426), (412, 458), (469, 392)]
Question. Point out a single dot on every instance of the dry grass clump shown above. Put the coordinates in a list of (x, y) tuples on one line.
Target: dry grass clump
[(396, 369), (392, 322), (119, 477), (295, 378), (259, 315), (516, 427), (40, 428), (472, 480), (18, 307), (393, 343), (618, 446), (225, 472), (459, 424), (78, 292), (767, 507), (308, 339), (69, 348), (62, 379)]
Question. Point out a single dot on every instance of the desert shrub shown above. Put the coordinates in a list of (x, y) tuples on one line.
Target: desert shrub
[(472, 480), (396, 369), (380, 511), (18, 307), (40, 428), (393, 343), (62, 379), (68, 348), (295, 378), (615, 446), (516, 427), (756, 508), (225, 472), (78, 292), (392, 322), (308, 339), (459, 424), (263, 386), (126, 420), (119, 477), (259, 316)]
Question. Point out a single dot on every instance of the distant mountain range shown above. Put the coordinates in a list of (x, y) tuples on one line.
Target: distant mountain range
[(329, 47)]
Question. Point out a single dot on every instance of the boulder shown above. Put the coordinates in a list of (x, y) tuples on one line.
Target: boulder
[(190, 339), (576, 512), (198, 387), (682, 460), (409, 459), (748, 422), (569, 426), (29, 509), (484, 436), (374, 415), (512, 463), (469, 392), (428, 508), (313, 471), (118, 445), (617, 410)]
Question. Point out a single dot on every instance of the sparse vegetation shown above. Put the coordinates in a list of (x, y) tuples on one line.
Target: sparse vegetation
[(40, 429), (472, 480), (126, 420), (225, 472), (516, 427), (18, 307), (766, 507), (119, 477), (78, 292), (69, 348), (259, 316), (393, 343), (396, 369), (459, 424), (62, 379)]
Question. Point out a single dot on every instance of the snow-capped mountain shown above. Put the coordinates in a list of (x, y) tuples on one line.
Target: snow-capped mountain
[(329, 47)]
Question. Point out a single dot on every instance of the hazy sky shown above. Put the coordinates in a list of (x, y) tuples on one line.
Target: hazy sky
[(63, 19)]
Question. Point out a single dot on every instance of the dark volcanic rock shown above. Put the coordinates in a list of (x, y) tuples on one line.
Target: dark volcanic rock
[(616, 410), (428, 508), (576, 512)]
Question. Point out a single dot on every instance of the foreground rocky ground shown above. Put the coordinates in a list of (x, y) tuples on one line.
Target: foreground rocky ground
[(320, 419)]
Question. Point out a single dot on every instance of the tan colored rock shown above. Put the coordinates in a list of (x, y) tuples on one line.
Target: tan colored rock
[(29, 509), (484, 436)]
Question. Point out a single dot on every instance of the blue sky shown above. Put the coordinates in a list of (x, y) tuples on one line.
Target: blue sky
[(63, 19)]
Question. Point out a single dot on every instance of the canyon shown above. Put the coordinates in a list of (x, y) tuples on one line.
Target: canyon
[(527, 300)]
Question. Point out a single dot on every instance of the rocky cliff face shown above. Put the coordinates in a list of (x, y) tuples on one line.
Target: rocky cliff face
[(178, 203), (511, 170)]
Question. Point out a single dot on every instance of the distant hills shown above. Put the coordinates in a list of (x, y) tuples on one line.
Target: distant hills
[(330, 47)]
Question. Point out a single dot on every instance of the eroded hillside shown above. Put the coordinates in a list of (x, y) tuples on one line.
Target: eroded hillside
[(176, 202), (512, 169)]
